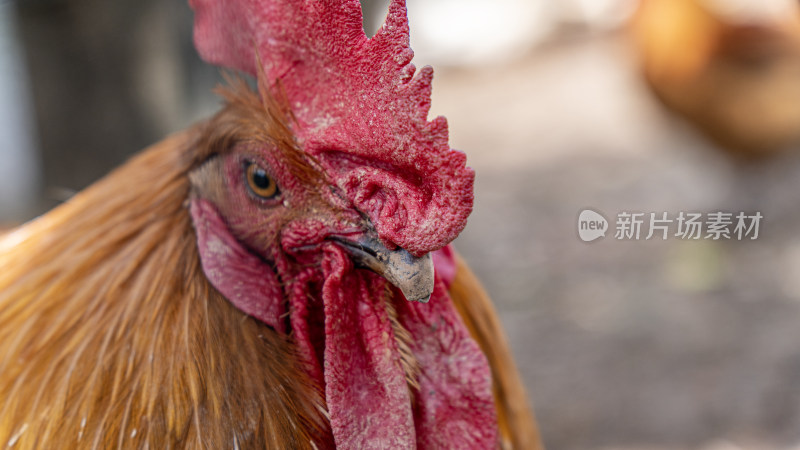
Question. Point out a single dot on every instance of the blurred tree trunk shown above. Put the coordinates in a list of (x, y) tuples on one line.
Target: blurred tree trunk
[(108, 79)]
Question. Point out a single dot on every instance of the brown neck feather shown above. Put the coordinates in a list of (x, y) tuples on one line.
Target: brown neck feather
[(110, 335)]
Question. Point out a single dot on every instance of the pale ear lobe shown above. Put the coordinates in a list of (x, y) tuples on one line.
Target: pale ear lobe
[(239, 275)]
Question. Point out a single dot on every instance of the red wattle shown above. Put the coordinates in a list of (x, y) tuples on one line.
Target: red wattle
[(367, 394), (365, 387)]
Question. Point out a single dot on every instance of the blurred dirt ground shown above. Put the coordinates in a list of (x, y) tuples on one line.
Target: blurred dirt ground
[(654, 344)]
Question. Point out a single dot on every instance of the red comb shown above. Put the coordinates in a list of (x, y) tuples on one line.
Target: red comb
[(360, 110)]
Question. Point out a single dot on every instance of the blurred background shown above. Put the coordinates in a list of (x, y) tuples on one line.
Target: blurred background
[(618, 105)]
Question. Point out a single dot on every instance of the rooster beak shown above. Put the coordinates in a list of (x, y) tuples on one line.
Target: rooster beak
[(412, 275)]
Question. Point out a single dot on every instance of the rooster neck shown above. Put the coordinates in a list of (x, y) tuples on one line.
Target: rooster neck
[(110, 335)]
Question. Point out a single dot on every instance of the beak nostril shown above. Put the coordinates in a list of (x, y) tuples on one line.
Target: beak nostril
[(348, 243)]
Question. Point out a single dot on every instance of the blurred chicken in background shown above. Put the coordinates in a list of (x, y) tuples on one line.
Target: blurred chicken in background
[(731, 67)]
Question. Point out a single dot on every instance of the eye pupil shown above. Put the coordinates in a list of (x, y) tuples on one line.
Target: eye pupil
[(260, 179), (260, 182)]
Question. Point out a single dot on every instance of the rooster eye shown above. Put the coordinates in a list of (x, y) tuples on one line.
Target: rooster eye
[(259, 182)]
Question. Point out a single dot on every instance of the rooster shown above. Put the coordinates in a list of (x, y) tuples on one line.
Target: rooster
[(278, 276)]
